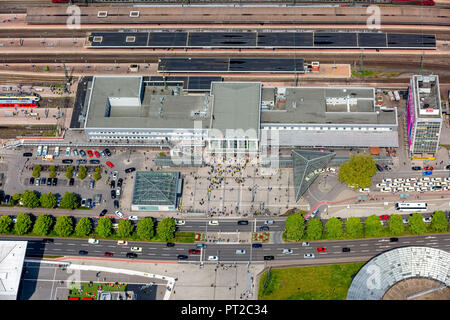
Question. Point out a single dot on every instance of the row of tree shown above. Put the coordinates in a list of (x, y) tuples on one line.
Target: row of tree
[(69, 172), (64, 226), (31, 199), (297, 229)]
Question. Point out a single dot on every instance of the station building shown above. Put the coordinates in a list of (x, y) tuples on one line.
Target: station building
[(424, 117), (238, 117)]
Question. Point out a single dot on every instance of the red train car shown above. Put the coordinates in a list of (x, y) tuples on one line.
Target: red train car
[(22, 103)]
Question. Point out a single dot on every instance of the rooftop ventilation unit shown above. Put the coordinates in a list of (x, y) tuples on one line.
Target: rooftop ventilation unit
[(130, 39), (97, 39), (102, 14), (134, 14)]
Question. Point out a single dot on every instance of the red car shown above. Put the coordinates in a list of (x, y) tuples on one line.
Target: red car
[(194, 251), (108, 254), (428, 168), (90, 153), (109, 164), (384, 217), (97, 154), (321, 249)]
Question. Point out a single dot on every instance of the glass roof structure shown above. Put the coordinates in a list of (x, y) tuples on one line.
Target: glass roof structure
[(155, 188), (307, 167)]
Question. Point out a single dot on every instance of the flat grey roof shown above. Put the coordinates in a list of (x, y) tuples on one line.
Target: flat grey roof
[(159, 107), (309, 105), (236, 106), (12, 255)]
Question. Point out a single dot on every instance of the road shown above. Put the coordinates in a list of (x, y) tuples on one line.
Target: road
[(361, 248)]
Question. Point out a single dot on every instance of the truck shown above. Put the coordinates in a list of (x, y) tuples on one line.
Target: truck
[(391, 95), (56, 153), (47, 157), (396, 95), (39, 151)]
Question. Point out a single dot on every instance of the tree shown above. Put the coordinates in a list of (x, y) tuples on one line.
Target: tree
[(416, 224), (166, 229), (396, 226), (335, 228), (69, 172), (15, 198), (64, 226), (52, 172), (145, 228), (314, 229), (295, 226), (36, 170), (125, 228), (82, 173), (23, 224), (5, 224), (83, 227), (29, 199), (373, 226), (48, 200), (69, 201), (104, 226), (354, 227), (42, 225), (358, 171), (97, 175), (438, 222)]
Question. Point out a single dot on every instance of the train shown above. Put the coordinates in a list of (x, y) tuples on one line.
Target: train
[(243, 2), (19, 100)]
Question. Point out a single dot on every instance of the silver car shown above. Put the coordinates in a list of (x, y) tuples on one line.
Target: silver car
[(308, 255), (305, 244), (287, 251)]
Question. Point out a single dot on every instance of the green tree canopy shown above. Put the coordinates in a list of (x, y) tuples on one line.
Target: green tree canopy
[(64, 226), (295, 226), (83, 227), (166, 229), (104, 226), (125, 228), (354, 227), (373, 226), (15, 198), (69, 172), (23, 224), (82, 173), (97, 175), (358, 171), (335, 228), (69, 201), (438, 222), (30, 199), (5, 224), (416, 224), (395, 224), (36, 170), (48, 200), (314, 229), (52, 172), (145, 228), (42, 225)]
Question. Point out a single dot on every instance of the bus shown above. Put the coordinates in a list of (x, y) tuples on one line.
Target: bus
[(416, 206)]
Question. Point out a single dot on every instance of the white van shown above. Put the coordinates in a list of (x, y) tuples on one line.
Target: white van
[(93, 241), (213, 222), (213, 258), (240, 251)]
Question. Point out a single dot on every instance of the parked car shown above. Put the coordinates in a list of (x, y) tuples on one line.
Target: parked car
[(71, 181), (405, 221), (75, 152), (427, 220), (116, 204), (379, 168), (32, 180), (109, 164), (180, 222), (104, 211), (242, 222), (112, 184), (81, 161), (133, 218), (55, 181), (67, 161), (119, 182), (118, 213), (115, 174), (67, 151), (49, 181), (43, 181), (447, 167), (269, 257), (107, 152), (97, 154), (428, 168), (384, 217), (128, 170), (82, 153), (90, 154), (113, 194), (345, 249), (92, 184), (37, 181), (94, 161), (27, 154), (7, 199), (416, 168), (118, 191)]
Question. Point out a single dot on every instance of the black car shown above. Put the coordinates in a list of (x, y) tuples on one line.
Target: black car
[(104, 211), (83, 252), (49, 181), (182, 257), (269, 257), (55, 181), (71, 181), (67, 161), (113, 194), (27, 154), (83, 154), (94, 161), (264, 228), (119, 182), (170, 244), (242, 222), (107, 152), (256, 245), (128, 170), (131, 255), (447, 167), (393, 239), (31, 180), (112, 184), (379, 168), (7, 199), (116, 204), (43, 181), (416, 168), (48, 240), (345, 249), (80, 161)]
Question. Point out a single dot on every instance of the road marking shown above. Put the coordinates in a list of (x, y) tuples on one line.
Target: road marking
[(71, 244), (336, 246), (58, 244), (364, 250), (420, 241), (405, 241), (363, 245)]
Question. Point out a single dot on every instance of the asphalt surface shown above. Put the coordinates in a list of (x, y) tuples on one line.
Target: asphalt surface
[(361, 248)]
